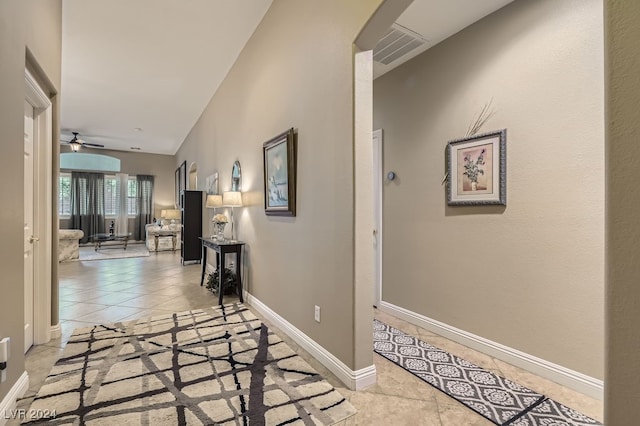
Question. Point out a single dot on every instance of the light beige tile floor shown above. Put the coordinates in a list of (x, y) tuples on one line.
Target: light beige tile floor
[(125, 289)]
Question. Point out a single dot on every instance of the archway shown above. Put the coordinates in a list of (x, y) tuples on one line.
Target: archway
[(193, 176)]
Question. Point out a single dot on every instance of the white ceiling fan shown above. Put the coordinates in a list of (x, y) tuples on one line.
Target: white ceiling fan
[(75, 143)]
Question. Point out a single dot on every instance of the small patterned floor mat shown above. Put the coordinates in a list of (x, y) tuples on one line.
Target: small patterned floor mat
[(552, 413), (498, 399)]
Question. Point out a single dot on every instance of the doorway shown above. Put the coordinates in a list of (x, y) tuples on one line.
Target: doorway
[(29, 233), (193, 177), (377, 216), (37, 213)]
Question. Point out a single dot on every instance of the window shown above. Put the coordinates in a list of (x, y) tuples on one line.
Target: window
[(111, 195), (64, 194), (132, 191)]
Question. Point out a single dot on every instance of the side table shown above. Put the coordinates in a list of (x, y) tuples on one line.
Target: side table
[(164, 233), (222, 248)]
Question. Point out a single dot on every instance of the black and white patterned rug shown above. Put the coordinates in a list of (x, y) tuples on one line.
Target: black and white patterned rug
[(552, 413), (498, 399), (213, 366)]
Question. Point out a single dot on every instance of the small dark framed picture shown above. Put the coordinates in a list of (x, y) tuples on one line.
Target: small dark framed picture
[(177, 188), (477, 172), (279, 156), (180, 182)]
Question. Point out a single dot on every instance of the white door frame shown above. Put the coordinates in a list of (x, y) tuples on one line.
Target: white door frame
[(43, 134), (377, 215)]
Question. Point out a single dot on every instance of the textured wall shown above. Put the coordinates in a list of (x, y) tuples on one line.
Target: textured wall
[(622, 377), (529, 276), (37, 26), (295, 71)]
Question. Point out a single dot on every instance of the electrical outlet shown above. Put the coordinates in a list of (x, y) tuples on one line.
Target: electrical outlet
[(316, 314)]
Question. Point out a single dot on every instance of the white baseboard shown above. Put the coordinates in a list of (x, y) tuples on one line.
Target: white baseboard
[(554, 372), (8, 404), (354, 380), (56, 331)]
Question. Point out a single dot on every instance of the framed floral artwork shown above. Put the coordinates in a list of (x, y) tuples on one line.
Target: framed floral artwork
[(279, 155), (477, 170)]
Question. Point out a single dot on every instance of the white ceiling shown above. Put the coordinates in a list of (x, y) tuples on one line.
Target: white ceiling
[(155, 64), (436, 20), (148, 64)]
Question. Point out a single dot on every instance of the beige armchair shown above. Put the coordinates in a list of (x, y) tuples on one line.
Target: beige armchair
[(68, 240)]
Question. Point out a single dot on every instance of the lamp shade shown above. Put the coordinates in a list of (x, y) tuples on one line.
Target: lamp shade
[(232, 199), (172, 214), (213, 201)]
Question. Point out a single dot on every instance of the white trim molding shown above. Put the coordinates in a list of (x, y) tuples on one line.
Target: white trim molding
[(377, 141), (564, 376), (42, 226), (354, 380), (34, 94), (9, 403)]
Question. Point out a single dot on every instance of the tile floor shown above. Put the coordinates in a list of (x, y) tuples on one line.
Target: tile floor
[(125, 289)]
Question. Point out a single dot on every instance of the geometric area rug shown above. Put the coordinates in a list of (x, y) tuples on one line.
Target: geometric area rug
[(496, 398), (219, 365)]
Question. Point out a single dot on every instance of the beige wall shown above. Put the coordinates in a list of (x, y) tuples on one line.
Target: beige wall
[(529, 276), (162, 167), (622, 384), (295, 71), (34, 25)]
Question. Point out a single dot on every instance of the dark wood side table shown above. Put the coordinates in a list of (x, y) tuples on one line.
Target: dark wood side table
[(222, 248)]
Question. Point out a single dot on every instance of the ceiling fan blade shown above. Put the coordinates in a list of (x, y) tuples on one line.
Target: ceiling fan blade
[(93, 144)]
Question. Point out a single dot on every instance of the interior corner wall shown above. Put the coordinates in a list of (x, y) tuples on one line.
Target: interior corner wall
[(295, 71), (37, 26), (529, 275)]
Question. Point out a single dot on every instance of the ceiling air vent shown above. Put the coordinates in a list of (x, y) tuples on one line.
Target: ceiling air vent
[(397, 42)]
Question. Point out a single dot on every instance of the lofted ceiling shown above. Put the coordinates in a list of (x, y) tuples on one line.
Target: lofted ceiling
[(138, 74)]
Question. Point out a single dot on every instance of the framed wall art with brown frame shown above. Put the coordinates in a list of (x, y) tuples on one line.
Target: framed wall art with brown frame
[(279, 161)]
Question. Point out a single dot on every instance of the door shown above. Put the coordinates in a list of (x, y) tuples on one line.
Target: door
[(377, 216), (29, 238)]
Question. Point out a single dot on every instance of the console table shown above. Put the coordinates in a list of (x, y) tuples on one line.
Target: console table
[(222, 248), (164, 233)]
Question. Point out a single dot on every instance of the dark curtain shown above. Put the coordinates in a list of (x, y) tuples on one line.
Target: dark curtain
[(144, 204), (87, 203)]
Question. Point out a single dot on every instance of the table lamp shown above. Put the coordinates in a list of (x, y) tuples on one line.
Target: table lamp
[(172, 214), (213, 201), (232, 199)]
